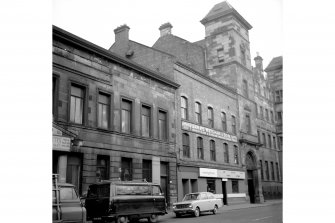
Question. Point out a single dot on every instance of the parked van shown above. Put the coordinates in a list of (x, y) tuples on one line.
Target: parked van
[(124, 201)]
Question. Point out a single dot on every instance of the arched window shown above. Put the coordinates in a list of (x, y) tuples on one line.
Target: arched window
[(200, 148), (224, 121), (210, 117), (236, 158), (184, 107), (233, 124), (198, 112), (212, 150), (186, 145)]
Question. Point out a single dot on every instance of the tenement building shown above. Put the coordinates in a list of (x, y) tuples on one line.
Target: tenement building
[(218, 119), (112, 118)]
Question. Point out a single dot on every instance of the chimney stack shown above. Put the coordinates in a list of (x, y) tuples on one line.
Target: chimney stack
[(122, 34), (259, 63), (165, 29)]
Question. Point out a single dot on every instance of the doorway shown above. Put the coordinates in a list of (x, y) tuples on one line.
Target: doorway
[(251, 176), (251, 188), (224, 192)]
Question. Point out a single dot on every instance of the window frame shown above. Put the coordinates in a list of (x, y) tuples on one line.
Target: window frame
[(220, 54), (226, 152), (131, 116), (166, 124), (55, 95), (184, 108), (236, 155), (149, 107), (198, 114), (245, 88), (149, 170), (110, 113), (131, 168), (200, 148), (233, 125), (210, 111), (212, 150), (186, 148), (267, 170), (85, 89), (224, 121), (235, 186), (261, 168), (107, 166), (248, 123)]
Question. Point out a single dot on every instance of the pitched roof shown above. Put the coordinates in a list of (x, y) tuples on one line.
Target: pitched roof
[(276, 62), (224, 9)]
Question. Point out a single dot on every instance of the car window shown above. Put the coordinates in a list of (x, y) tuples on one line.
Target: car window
[(191, 197), (92, 191), (133, 190), (210, 196), (68, 193), (203, 196), (156, 190)]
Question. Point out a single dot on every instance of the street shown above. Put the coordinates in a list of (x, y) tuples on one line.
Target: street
[(265, 214)]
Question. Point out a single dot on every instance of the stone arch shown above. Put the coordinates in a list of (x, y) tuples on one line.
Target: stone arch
[(251, 161)]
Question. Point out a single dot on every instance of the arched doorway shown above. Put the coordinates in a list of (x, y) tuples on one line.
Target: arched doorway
[(251, 166)]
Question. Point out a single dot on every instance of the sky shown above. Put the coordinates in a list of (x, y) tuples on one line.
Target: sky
[(95, 21)]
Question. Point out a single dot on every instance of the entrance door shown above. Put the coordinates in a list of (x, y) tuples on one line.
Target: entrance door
[(73, 171), (224, 192), (251, 188)]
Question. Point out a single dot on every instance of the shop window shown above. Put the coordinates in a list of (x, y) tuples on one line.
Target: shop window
[(236, 158), (103, 110), (211, 186), (162, 125), (212, 150), (146, 121), (198, 112), (233, 124), (200, 148), (102, 167), (224, 121), (184, 108), (210, 117), (226, 153), (147, 170), (126, 116), (77, 104), (234, 186), (126, 169), (186, 145)]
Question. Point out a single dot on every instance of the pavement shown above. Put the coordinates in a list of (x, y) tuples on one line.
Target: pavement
[(233, 207)]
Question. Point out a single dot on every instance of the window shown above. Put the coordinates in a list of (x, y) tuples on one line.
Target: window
[(261, 110), (210, 117), (77, 104), (279, 96), (186, 145), (225, 153), (259, 136), (236, 160), (54, 96), (264, 139), (274, 142), (243, 58), (234, 186), (162, 125), (102, 167), (247, 123), (220, 54), (233, 124), (212, 150), (258, 88), (67, 193), (277, 168), (184, 108), (147, 170), (224, 121), (280, 142), (272, 172), (126, 169), (269, 141), (261, 164), (146, 121), (200, 148), (279, 115), (245, 88), (198, 112), (267, 114), (126, 116), (103, 110), (271, 114), (264, 90), (210, 187), (267, 170)]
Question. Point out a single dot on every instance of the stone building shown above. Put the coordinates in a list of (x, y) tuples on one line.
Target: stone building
[(112, 118), (217, 105)]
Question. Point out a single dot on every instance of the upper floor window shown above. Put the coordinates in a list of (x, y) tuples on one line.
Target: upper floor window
[(236, 159), (261, 110), (261, 164), (267, 114), (210, 117), (55, 81), (224, 121), (198, 112), (271, 114), (162, 125), (77, 104), (272, 172), (243, 56), (146, 121), (267, 170), (186, 145), (277, 168), (247, 123), (200, 148), (233, 124), (274, 142), (258, 88), (245, 88), (278, 96), (212, 150), (184, 107), (126, 116), (280, 118), (269, 141), (259, 136), (264, 140), (220, 54), (225, 153), (103, 110)]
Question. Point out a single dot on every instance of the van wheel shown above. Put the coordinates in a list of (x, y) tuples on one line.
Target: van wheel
[(121, 219), (178, 215), (215, 210), (197, 212), (153, 218)]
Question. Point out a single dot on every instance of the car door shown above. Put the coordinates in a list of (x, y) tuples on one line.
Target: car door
[(71, 207), (159, 199), (203, 202)]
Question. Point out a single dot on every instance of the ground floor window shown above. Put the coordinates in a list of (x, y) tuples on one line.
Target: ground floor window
[(211, 185), (234, 186), (126, 169)]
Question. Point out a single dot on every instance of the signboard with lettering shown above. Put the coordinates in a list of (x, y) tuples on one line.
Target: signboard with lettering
[(56, 132), (207, 131), (61, 143), (231, 174), (204, 172)]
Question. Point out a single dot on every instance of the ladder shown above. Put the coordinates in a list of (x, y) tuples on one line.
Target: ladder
[(57, 194)]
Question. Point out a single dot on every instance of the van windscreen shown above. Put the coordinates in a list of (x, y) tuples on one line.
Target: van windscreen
[(98, 190), (133, 190)]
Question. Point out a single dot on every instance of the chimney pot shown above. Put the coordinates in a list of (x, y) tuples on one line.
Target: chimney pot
[(165, 29)]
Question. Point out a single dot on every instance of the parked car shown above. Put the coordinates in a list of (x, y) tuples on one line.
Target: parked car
[(66, 205), (124, 201), (195, 203)]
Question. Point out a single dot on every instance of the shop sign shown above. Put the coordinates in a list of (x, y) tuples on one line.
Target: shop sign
[(204, 172), (56, 132), (207, 131), (231, 174), (61, 143)]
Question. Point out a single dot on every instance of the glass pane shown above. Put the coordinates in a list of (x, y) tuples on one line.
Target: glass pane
[(76, 91), (125, 121), (78, 111), (145, 126), (162, 115), (104, 116), (126, 105), (72, 109), (66, 193), (183, 102), (103, 99), (162, 129)]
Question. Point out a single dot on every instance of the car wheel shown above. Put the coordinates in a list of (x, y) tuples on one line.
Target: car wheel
[(122, 219), (178, 215), (197, 212), (215, 210), (153, 218)]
